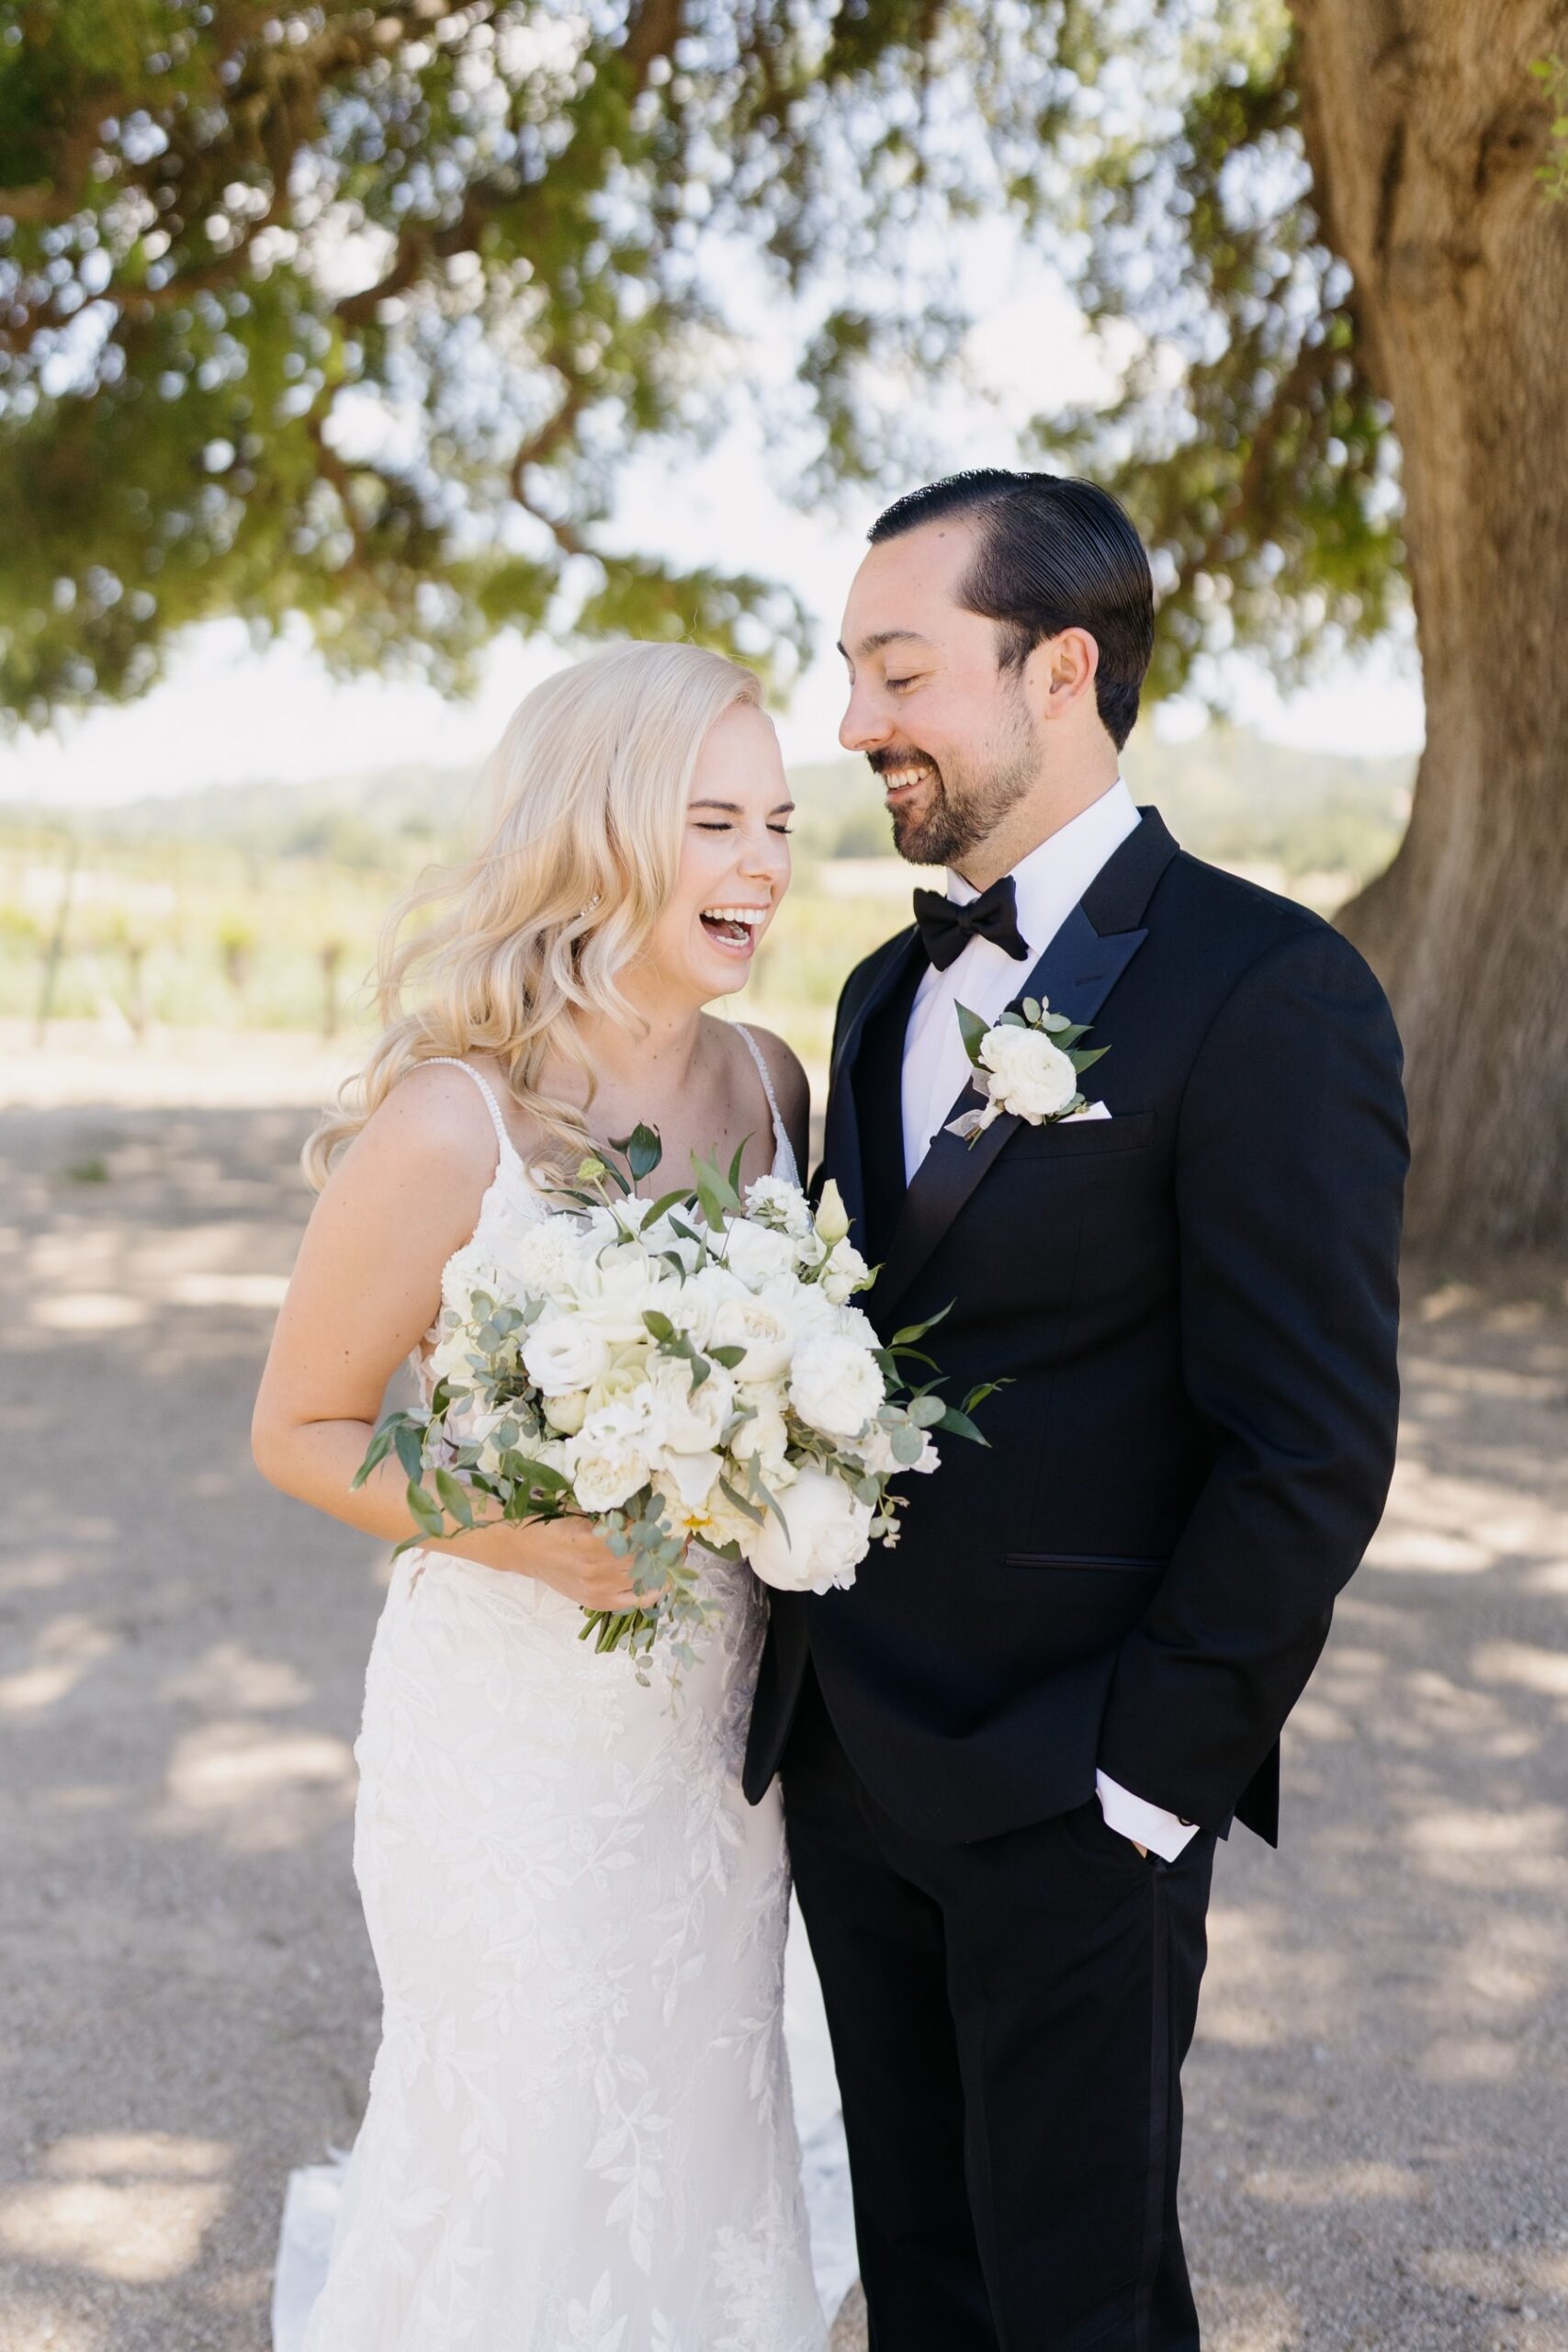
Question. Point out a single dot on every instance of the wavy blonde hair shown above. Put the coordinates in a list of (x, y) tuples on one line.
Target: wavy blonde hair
[(588, 787)]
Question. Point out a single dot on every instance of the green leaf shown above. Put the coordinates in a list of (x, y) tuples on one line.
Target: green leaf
[(925, 1412), (983, 1389), (749, 1509), (1081, 1062), (376, 1453), (972, 1029), (663, 1204), (736, 1158), (643, 1149), (912, 1332), (1071, 1032), (1032, 1009), (455, 1497), (958, 1424), (407, 1439), (727, 1357), (909, 1442), (659, 1326), (426, 1515)]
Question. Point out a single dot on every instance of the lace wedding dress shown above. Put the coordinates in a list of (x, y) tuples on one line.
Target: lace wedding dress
[(579, 2136)]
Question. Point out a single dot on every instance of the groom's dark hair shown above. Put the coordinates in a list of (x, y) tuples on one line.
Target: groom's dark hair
[(1051, 553)]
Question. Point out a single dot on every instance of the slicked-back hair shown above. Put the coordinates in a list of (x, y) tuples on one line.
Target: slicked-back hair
[(1051, 553)]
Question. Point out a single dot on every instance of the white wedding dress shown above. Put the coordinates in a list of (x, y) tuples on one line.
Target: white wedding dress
[(579, 2136)]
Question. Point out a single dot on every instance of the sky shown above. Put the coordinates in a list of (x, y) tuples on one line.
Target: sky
[(227, 713)]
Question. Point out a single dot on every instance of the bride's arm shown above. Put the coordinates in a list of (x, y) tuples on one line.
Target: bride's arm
[(366, 1288)]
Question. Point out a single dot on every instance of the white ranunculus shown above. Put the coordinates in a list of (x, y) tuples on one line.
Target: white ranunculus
[(548, 1255), (835, 1385), (781, 1203), (761, 1328), (1030, 1076), (612, 1290), (607, 1461), (688, 1419), (756, 1253), (844, 1272), (828, 1536), (564, 1352)]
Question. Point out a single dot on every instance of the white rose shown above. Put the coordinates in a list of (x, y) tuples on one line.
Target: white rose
[(612, 1290), (835, 1384), (761, 1328), (607, 1461), (1030, 1077), (562, 1352), (844, 1272), (549, 1256), (781, 1203), (693, 1307), (567, 1413), (756, 1253), (828, 1534), (688, 1419)]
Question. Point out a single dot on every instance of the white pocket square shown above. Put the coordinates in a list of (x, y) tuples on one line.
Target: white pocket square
[(1091, 1111)]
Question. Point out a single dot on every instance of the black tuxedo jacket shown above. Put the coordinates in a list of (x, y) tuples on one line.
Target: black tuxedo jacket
[(1195, 1303)]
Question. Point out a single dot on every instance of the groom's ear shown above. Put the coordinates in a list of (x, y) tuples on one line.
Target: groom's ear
[(1058, 677)]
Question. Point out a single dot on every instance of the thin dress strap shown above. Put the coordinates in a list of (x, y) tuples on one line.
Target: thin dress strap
[(508, 1148), (780, 1138)]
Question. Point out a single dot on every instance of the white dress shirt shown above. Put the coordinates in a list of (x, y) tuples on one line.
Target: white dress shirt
[(1049, 883)]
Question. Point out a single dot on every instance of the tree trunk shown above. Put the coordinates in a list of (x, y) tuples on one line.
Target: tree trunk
[(1425, 131)]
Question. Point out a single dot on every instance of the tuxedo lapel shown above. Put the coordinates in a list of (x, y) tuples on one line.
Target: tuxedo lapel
[(842, 1155), (1076, 973)]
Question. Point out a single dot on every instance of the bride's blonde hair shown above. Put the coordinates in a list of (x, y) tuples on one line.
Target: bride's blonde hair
[(590, 783)]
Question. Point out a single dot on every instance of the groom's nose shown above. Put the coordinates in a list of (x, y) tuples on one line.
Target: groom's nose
[(864, 724)]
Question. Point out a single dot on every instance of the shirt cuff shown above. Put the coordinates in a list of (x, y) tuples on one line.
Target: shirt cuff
[(1165, 1833)]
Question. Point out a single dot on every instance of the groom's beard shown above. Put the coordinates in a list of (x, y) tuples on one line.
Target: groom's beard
[(961, 812)]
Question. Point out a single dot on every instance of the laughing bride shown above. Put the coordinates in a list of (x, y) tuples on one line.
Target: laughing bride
[(579, 2135)]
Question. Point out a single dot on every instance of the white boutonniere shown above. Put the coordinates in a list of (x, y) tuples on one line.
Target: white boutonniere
[(1026, 1064)]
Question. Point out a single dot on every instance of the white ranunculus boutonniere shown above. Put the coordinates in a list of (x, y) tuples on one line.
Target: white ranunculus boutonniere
[(1027, 1065)]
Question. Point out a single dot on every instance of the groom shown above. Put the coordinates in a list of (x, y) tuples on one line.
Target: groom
[(1007, 1752)]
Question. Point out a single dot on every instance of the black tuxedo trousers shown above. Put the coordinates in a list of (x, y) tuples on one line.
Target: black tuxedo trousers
[(1008, 2018), (1193, 1304)]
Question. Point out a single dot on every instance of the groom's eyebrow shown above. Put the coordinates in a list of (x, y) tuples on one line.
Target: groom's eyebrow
[(881, 637)]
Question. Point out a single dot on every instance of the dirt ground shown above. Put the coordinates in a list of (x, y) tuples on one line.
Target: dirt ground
[(1378, 2135)]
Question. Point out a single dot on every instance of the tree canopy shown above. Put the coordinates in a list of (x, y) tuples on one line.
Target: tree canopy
[(356, 313)]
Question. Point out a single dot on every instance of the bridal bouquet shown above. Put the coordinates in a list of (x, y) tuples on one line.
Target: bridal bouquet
[(686, 1368)]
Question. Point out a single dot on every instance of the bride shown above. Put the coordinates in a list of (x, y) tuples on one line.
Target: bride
[(579, 2135)]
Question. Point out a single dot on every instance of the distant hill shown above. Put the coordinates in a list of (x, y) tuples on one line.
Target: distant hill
[(1225, 794)]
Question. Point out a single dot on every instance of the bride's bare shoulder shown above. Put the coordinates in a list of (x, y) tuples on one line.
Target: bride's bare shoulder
[(435, 1120)]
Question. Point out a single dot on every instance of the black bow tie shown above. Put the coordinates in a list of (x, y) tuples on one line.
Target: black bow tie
[(946, 928)]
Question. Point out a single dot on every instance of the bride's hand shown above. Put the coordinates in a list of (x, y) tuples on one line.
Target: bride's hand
[(569, 1554)]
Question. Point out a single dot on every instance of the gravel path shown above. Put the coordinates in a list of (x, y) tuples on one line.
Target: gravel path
[(1378, 2139)]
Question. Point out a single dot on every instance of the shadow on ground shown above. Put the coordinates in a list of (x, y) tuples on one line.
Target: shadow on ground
[(1376, 2110)]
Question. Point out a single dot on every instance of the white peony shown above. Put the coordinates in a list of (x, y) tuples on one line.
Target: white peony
[(563, 1351), (756, 1253), (835, 1384), (1030, 1076), (781, 1203), (828, 1536), (854, 1323), (608, 1459), (844, 1272)]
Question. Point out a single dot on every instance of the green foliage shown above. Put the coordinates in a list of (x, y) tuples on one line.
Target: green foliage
[(1551, 73), (352, 312)]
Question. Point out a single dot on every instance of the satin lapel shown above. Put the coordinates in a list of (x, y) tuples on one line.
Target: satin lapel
[(1076, 972), (841, 1157)]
